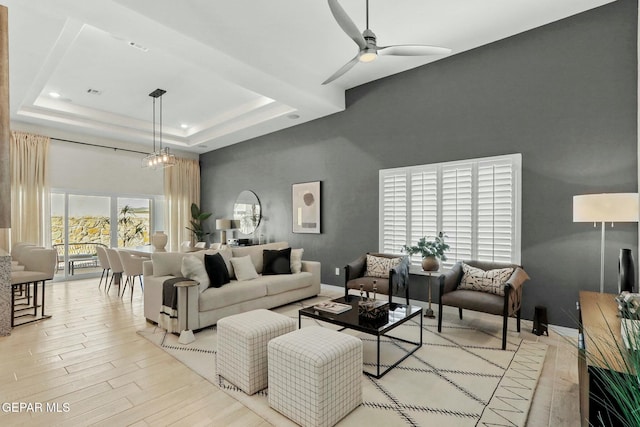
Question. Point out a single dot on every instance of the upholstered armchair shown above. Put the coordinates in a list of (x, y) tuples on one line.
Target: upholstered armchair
[(488, 287), (389, 272)]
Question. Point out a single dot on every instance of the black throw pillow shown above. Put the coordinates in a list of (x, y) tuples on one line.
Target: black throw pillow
[(216, 270), (276, 262)]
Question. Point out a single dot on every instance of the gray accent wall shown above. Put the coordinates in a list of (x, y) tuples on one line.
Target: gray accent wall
[(564, 95)]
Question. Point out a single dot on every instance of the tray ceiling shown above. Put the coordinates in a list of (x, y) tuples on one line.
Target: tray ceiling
[(232, 70)]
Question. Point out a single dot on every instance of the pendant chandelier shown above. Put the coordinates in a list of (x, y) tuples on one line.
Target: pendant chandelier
[(160, 158)]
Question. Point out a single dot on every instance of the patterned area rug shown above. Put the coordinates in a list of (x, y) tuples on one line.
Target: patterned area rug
[(457, 378)]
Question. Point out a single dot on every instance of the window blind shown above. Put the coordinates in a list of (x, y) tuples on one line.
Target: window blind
[(476, 203)]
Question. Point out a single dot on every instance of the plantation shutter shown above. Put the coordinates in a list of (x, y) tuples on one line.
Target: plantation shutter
[(424, 207), (475, 203), (495, 211), (457, 211), (393, 205)]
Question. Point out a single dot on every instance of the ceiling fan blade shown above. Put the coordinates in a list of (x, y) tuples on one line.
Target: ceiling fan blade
[(346, 67), (346, 23), (413, 50)]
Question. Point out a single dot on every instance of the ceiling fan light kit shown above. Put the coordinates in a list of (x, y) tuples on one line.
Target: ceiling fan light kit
[(368, 49)]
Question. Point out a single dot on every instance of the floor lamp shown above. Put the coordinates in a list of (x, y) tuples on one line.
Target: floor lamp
[(607, 207)]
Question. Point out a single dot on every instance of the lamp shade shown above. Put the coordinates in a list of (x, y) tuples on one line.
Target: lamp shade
[(606, 207), (223, 224)]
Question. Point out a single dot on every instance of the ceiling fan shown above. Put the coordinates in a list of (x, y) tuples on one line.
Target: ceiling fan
[(368, 50)]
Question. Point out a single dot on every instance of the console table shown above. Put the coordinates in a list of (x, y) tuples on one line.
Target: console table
[(599, 326)]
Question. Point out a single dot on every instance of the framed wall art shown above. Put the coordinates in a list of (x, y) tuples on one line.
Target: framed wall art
[(306, 207)]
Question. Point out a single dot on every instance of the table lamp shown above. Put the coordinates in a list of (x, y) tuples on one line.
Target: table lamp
[(223, 225), (606, 207)]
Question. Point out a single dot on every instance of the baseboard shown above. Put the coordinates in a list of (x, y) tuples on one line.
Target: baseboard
[(564, 331)]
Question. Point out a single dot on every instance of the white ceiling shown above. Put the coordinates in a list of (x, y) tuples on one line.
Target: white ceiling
[(233, 70)]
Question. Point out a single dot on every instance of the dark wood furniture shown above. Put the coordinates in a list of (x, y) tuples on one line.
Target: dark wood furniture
[(599, 326), (398, 314)]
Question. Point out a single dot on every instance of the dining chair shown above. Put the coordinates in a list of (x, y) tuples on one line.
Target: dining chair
[(103, 261), (116, 268), (132, 266)]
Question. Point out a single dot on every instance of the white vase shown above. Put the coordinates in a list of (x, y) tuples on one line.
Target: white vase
[(159, 240)]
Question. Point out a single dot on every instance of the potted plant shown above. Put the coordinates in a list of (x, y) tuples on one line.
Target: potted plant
[(430, 250), (197, 222)]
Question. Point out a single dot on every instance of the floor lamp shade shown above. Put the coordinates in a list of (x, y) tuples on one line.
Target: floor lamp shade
[(607, 207)]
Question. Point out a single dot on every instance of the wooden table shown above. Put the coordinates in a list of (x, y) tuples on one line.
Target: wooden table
[(600, 342)]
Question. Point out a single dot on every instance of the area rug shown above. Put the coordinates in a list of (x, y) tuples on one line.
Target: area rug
[(460, 377)]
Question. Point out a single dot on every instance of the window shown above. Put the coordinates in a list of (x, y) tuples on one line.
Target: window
[(108, 219), (476, 203)]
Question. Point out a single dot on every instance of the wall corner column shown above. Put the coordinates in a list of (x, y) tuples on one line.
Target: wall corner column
[(5, 177)]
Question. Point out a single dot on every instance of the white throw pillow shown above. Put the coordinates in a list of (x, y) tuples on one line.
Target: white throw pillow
[(193, 268), (166, 263), (296, 260), (244, 268), (491, 281), (379, 266)]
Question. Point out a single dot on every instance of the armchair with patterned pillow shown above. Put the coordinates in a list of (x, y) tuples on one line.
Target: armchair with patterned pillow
[(390, 273), (488, 287)]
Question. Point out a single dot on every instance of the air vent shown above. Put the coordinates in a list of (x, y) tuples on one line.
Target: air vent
[(138, 46), (94, 91)]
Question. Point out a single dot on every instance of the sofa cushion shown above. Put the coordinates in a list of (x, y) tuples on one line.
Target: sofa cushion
[(476, 301), (226, 253), (193, 268), (379, 266), (167, 263), (256, 252), (296, 260), (276, 261), (216, 270), (490, 281), (244, 268), (233, 293), (281, 283)]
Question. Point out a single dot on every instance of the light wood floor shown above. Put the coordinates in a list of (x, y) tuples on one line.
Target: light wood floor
[(88, 363)]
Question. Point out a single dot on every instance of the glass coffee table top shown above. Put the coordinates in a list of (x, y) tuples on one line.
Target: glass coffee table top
[(398, 313), (350, 319)]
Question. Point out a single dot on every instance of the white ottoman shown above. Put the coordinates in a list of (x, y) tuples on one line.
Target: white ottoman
[(242, 346), (315, 375)]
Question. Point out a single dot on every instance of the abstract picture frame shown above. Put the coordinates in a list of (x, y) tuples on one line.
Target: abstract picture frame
[(305, 207)]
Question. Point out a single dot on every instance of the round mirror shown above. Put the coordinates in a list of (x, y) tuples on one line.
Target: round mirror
[(246, 212)]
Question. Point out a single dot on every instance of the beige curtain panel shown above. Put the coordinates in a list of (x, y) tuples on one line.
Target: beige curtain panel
[(181, 188), (29, 156)]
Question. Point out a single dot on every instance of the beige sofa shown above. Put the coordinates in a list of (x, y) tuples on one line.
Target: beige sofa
[(206, 308)]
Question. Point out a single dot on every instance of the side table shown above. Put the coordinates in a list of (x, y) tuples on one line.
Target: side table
[(186, 336), (429, 275)]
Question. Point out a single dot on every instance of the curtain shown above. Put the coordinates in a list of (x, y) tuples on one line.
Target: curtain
[(181, 188), (30, 197)]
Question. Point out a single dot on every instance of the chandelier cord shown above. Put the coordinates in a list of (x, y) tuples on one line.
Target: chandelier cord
[(154, 125)]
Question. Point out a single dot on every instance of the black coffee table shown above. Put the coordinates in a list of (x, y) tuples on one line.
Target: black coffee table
[(398, 314)]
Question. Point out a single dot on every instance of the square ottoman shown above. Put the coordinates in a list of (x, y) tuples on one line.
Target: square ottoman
[(242, 346), (315, 375)]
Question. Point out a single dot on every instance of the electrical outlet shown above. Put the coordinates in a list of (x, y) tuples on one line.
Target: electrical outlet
[(337, 271)]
